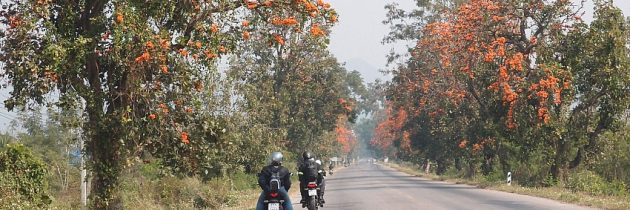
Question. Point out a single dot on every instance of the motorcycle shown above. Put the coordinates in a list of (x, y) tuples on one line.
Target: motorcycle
[(313, 202), (273, 200)]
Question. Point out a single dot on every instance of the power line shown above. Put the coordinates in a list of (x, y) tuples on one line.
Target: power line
[(8, 114), (6, 117)]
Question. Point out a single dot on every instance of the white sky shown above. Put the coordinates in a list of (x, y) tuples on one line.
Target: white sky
[(355, 40)]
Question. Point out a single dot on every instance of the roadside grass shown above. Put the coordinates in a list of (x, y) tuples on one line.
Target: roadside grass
[(184, 193), (144, 187), (555, 193)]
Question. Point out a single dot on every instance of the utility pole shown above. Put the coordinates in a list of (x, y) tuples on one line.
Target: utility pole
[(83, 173)]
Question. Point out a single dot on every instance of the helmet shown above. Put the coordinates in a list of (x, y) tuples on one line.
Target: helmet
[(307, 155), (319, 162), (276, 158)]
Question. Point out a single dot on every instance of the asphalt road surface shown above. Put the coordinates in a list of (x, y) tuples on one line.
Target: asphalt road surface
[(370, 186)]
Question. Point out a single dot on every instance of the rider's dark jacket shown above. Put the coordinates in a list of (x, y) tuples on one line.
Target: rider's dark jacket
[(302, 168), (265, 177)]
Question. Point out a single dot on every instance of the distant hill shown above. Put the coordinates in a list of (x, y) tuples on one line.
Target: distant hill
[(367, 70)]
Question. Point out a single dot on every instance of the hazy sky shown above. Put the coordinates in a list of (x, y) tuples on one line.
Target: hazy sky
[(356, 39)]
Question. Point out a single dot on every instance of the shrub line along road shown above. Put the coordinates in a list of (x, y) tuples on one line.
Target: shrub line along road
[(372, 186)]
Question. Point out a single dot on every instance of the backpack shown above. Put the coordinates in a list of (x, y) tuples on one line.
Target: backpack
[(310, 170), (274, 182)]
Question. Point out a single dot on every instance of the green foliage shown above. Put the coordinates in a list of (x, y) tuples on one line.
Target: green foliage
[(495, 177), (599, 58), (55, 141), (590, 182), (23, 181), (243, 181), (613, 163)]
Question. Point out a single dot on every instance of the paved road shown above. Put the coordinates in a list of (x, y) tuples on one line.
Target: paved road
[(366, 186)]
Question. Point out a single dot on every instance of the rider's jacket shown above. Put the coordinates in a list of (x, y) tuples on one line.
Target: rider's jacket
[(302, 168), (265, 177)]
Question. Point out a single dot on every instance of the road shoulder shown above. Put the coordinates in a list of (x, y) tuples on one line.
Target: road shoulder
[(553, 193)]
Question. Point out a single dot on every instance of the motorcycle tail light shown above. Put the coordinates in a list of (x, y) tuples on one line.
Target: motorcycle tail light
[(312, 185), (273, 195)]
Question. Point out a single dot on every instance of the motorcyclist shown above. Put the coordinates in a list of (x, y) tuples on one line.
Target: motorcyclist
[(322, 181), (305, 174), (265, 177), (331, 166)]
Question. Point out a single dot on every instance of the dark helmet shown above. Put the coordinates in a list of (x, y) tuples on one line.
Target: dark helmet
[(276, 158), (307, 155)]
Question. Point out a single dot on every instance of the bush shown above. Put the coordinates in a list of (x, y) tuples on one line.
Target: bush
[(532, 173), (22, 179), (618, 188), (590, 182), (495, 176), (243, 181), (145, 186)]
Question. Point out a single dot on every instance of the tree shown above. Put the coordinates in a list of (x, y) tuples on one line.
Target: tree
[(599, 58), (295, 91), (54, 140), (371, 108), (465, 92), (485, 82), (135, 68), (345, 136)]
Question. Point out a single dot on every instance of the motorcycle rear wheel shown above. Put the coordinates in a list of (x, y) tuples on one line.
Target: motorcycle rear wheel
[(312, 203)]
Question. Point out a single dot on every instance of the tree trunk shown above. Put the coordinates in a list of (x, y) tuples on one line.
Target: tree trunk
[(470, 172), (104, 145), (105, 158), (562, 150), (441, 167), (503, 157), (104, 142), (458, 164), (488, 164)]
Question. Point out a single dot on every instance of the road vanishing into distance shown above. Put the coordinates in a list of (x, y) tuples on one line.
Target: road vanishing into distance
[(371, 186)]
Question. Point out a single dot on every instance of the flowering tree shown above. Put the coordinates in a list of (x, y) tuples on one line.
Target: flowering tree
[(389, 130), (138, 69), (510, 79), (345, 136)]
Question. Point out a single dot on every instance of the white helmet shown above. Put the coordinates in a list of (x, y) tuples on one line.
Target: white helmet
[(276, 158)]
